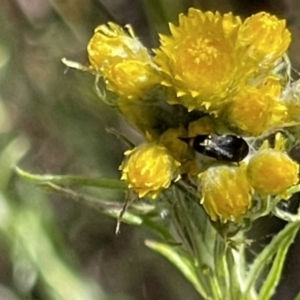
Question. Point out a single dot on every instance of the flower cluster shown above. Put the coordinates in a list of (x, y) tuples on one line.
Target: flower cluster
[(214, 75), (122, 60)]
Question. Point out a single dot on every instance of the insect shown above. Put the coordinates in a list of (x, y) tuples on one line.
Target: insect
[(229, 148)]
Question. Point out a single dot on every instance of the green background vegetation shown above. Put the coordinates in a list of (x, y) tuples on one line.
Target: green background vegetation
[(51, 121)]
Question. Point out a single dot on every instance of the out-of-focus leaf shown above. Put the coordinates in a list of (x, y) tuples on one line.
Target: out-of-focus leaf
[(7, 294), (156, 15), (31, 244), (11, 154), (4, 59), (298, 296)]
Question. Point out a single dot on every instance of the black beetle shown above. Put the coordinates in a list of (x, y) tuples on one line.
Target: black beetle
[(229, 148)]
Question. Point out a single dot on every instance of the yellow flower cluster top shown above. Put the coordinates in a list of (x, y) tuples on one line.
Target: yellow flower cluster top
[(213, 75), (122, 60)]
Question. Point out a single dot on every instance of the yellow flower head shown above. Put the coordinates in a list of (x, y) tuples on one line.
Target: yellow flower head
[(226, 193), (148, 169), (291, 99), (111, 44), (122, 60), (130, 78), (198, 60), (254, 110), (264, 38), (272, 172)]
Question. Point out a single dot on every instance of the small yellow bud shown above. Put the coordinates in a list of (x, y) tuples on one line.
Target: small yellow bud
[(271, 172), (291, 99), (130, 78), (254, 110), (264, 38), (226, 192), (111, 44), (148, 169), (122, 60)]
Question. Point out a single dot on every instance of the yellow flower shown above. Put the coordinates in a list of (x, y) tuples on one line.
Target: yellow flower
[(111, 44), (291, 99), (148, 169), (255, 110), (198, 60), (209, 55), (122, 60), (272, 172), (130, 78), (264, 38), (226, 193)]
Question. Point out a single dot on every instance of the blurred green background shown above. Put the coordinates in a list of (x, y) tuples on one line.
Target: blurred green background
[(51, 121)]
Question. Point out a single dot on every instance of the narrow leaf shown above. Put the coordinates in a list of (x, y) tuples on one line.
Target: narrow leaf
[(182, 263), (274, 276), (279, 244), (71, 180)]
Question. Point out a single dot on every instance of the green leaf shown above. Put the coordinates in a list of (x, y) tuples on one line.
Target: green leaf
[(274, 275), (222, 268), (31, 244), (198, 228), (71, 180), (136, 214), (197, 235), (180, 261), (278, 247)]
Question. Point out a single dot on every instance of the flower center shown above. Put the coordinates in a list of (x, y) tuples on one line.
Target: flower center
[(203, 62)]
